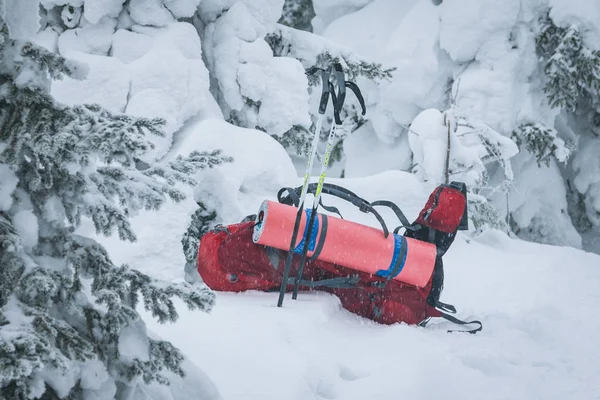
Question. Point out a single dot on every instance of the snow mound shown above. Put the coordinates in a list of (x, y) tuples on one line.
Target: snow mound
[(21, 18), (584, 14), (7, 187), (255, 88), (153, 72), (107, 83), (365, 156), (260, 167), (407, 37), (329, 10)]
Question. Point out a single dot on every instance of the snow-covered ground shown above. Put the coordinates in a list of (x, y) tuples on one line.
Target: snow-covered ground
[(538, 305)]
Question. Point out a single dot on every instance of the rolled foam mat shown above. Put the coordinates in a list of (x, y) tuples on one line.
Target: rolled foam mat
[(348, 244)]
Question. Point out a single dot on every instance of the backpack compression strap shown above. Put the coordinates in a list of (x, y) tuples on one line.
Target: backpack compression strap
[(444, 309), (337, 191)]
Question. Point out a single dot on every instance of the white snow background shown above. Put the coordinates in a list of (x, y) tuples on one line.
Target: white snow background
[(538, 303)]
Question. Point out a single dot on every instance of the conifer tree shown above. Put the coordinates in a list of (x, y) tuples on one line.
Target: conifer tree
[(572, 84), (298, 14), (68, 321)]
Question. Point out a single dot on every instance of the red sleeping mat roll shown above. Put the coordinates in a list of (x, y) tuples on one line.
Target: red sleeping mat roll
[(348, 244)]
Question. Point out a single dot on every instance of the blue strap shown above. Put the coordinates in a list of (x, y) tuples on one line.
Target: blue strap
[(313, 235), (398, 259)]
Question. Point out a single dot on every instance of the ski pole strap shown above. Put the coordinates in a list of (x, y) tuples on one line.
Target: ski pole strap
[(337, 105), (354, 87), (325, 90)]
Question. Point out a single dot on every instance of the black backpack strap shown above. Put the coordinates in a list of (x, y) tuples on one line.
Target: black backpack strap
[(401, 217), (334, 190), (331, 209), (457, 321), (444, 309), (348, 282), (322, 237), (292, 199)]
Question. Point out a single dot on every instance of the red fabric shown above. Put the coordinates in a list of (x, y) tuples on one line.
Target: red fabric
[(446, 215), (223, 254)]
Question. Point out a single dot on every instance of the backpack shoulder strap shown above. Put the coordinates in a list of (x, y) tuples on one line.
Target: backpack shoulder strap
[(401, 217), (457, 321), (337, 191)]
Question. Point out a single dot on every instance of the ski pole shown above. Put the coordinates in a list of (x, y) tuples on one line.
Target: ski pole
[(338, 104), (311, 156)]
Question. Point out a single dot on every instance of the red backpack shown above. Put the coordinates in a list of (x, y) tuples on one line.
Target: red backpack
[(229, 260)]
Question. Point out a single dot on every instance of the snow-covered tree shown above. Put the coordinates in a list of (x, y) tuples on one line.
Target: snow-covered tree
[(298, 14), (145, 59), (447, 147), (314, 51), (572, 84), (68, 321), (201, 221), (543, 142)]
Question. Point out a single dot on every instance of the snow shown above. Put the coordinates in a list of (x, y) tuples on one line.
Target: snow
[(95, 10), (537, 340), (365, 157), (49, 4), (260, 166), (107, 83), (134, 343), (535, 301), (285, 100), (329, 10), (539, 205), (91, 39), (255, 87), (21, 17), (153, 72), (26, 226), (182, 8), (196, 385), (377, 21), (584, 14), (407, 37), (129, 46), (587, 176), (47, 38), (464, 34), (428, 139), (265, 12), (8, 184), (166, 84), (149, 12)]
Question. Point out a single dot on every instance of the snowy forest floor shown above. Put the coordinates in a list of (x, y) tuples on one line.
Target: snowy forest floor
[(538, 305)]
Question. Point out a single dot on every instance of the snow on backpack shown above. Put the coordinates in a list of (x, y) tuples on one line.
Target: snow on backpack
[(379, 275)]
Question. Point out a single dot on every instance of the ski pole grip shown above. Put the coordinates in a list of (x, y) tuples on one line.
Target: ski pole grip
[(354, 87), (340, 97), (324, 92), (334, 100)]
